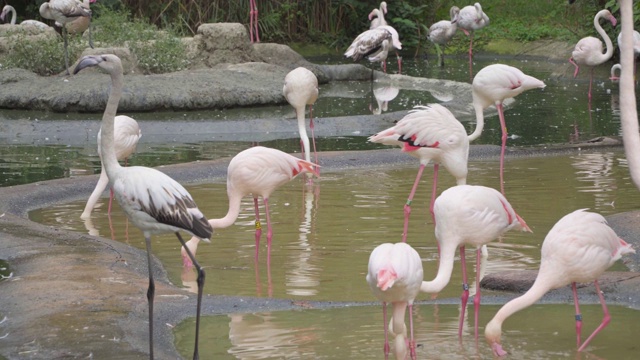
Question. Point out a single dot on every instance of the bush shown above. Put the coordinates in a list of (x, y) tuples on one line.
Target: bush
[(42, 55)]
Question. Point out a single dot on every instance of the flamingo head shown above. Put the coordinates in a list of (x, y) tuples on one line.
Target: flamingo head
[(192, 245), (523, 225), (454, 13), (4, 13), (374, 13), (611, 18), (386, 278), (383, 7), (493, 333)]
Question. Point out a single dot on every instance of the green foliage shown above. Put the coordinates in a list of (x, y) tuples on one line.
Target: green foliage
[(43, 55), (163, 55)]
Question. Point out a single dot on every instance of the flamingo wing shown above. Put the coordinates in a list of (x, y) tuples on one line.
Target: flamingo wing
[(368, 43)]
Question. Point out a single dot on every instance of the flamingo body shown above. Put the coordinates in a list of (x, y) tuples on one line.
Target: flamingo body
[(579, 248), (469, 215), (10, 9), (126, 136), (371, 43), (470, 19), (153, 201), (443, 31), (394, 276), (301, 89), (258, 171)]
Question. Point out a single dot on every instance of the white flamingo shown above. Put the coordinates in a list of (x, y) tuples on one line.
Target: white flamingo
[(258, 171), (376, 16), (126, 136), (469, 215), (153, 202), (10, 9), (470, 19), (63, 12), (301, 89), (395, 275), (588, 51), (374, 44), (80, 24), (491, 86), (443, 31), (578, 249)]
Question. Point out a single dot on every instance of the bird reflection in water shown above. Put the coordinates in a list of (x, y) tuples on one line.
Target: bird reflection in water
[(383, 93)]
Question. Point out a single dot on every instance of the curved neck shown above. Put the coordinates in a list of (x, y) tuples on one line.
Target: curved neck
[(13, 15), (232, 213), (381, 15), (605, 37), (108, 152), (479, 122), (447, 255), (534, 294), (302, 129)]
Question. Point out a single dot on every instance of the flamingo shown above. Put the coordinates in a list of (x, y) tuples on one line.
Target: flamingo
[(258, 171), (376, 16), (374, 44), (579, 248), (636, 52), (63, 12), (10, 9), (253, 21), (395, 275), (614, 68), (470, 19), (491, 86), (126, 136), (443, 31), (430, 133), (153, 202), (301, 89), (383, 93), (81, 24), (469, 215), (588, 51)]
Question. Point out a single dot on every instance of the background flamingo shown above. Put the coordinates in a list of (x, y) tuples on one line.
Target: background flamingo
[(301, 89), (395, 275), (579, 248), (80, 24), (154, 202), (374, 44), (258, 171), (253, 21), (126, 136), (588, 51), (469, 215), (491, 86), (10, 9), (376, 16), (470, 19), (443, 31), (63, 12), (430, 133)]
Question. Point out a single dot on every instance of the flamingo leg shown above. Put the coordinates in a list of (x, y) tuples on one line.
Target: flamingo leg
[(253, 21), (399, 58), (471, 33), (151, 290), (384, 66), (605, 319), (503, 126), (200, 282), (590, 84), (66, 51), (465, 290), (386, 348), (110, 201), (258, 226), (575, 73), (313, 136), (269, 229), (476, 297), (412, 342), (407, 206), (578, 314)]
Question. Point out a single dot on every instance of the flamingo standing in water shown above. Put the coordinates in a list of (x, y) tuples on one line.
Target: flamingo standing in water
[(491, 86), (443, 31), (469, 215), (258, 171), (579, 248), (470, 19), (301, 89), (376, 16), (395, 275), (10, 9), (253, 21), (588, 51), (374, 44), (126, 136), (63, 12), (154, 202), (430, 133)]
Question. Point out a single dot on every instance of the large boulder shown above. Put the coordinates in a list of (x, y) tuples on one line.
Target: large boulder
[(283, 55), (222, 43)]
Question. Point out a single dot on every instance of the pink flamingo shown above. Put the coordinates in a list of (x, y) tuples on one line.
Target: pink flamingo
[(430, 133), (154, 202), (301, 89), (253, 21), (588, 51), (258, 171), (470, 19), (469, 215), (443, 31), (491, 86), (395, 275), (126, 136), (374, 44), (579, 248), (376, 16)]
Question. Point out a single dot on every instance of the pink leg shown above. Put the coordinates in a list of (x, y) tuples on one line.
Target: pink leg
[(269, 230), (384, 66), (605, 319), (578, 315), (399, 58), (313, 136), (465, 290), (471, 55), (258, 227), (412, 342), (407, 206), (575, 73), (386, 330), (253, 21), (476, 297), (590, 83), (503, 126), (110, 201)]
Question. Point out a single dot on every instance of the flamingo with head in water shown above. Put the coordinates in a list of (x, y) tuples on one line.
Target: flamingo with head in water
[(301, 89)]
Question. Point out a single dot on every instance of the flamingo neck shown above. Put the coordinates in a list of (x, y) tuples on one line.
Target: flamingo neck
[(302, 129), (232, 213), (596, 22), (534, 294), (447, 254), (479, 122), (13, 15), (107, 150)]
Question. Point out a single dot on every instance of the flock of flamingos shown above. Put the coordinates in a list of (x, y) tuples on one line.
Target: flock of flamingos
[(579, 248)]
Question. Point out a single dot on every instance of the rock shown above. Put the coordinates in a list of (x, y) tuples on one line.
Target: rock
[(283, 55), (222, 43)]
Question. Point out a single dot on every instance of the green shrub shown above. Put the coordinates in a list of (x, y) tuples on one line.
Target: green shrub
[(42, 55)]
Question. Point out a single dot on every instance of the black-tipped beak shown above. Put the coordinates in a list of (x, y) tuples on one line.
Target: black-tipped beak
[(87, 61)]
